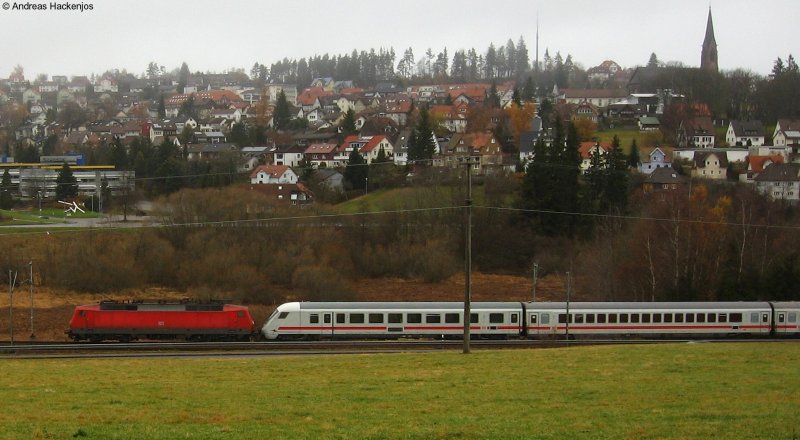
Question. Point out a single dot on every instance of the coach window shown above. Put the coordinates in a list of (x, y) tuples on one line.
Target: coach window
[(356, 318), (376, 318), (562, 318), (792, 317), (495, 318), (736, 317), (579, 318), (679, 317), (590, 318), (635, 318), (754, 317), (690, 317), (646, 318), (433, 318), (414, 318), (314, 318), (723, 317), (612, 318), (701, 317), (545, 319), (712, 317), (340, 318), (395, 318), (473, 318), (452, 318), (668, 317), (601, 318), (623, 318), (657, 317)]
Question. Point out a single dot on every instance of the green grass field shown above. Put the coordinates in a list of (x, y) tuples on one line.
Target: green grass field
[(685, 391)]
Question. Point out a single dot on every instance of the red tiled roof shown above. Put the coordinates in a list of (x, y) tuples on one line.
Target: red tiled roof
[(585, 148), (272, 170), (758, 163)]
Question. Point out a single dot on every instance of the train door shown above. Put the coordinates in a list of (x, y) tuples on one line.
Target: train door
[(327, 324), (766, 326), (780, 324), (533, 324), (515, 321)]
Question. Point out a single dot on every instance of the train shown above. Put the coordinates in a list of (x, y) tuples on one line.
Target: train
[(220, 321), (391, 320), (127, 321)]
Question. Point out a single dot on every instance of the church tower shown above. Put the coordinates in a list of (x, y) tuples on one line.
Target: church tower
[(708, 59)]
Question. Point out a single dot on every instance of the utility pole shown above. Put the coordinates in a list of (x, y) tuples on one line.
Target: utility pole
[(535, 275), (30, 282), (12, 279), (468, 255)]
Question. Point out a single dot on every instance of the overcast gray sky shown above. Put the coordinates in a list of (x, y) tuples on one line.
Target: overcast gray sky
[(219, 35)]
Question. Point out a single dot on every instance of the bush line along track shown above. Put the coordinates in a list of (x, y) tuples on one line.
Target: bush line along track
[(222, 349)]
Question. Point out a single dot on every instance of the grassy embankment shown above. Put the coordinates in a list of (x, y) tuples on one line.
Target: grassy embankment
[(658, 392)]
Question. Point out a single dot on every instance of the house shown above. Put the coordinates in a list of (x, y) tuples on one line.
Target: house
[(780, 181), (653, 158), (588, 149), (756, 165), (322, 154), (483, 145), (401, 147), (451, 117), (606, 70), (106, 84), (273, 175), (286, 193), (745, 133), (330, 178), (585, 110), (289, 156), (710, 165), (663, 179), (398, 111), (597, 97), (30, 96), (696, 132), (649, 123), (787, 132), (368, 146), (209, 151)]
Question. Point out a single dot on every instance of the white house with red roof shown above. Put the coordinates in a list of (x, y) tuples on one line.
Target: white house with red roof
[(587, 149), (323, 153), (273, 175), (368, 146)]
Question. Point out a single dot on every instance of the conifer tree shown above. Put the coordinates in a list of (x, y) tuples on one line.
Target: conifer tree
[(6, 199), (66, 184)]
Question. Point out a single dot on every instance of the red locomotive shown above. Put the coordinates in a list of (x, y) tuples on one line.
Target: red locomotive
[(185, 320)]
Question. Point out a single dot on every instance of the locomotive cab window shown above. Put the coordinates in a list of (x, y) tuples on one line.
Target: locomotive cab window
[(356, 318), (495, 318), (376, 318), (452, 318), (283, 315), (414, 318), (82, 313), (240, 314)]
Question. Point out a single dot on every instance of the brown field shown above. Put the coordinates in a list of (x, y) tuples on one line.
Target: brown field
[(52, 308)]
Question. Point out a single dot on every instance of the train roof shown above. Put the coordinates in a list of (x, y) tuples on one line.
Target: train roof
[(387, 305), (161, 306), (706, 305)]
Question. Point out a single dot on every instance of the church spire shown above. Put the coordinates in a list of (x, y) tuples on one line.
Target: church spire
[(708, 60)]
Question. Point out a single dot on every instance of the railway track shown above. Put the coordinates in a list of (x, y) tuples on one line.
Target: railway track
[(61, 350)]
